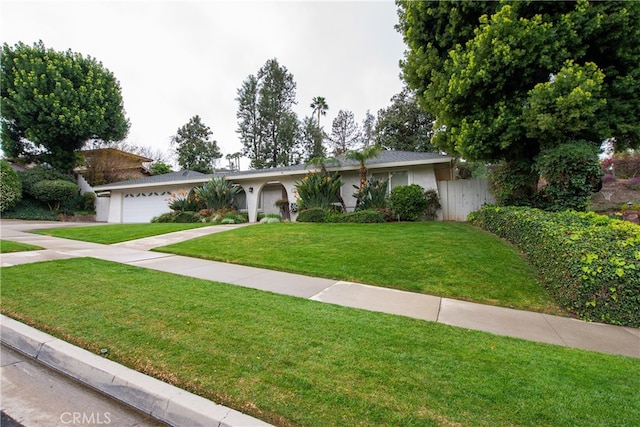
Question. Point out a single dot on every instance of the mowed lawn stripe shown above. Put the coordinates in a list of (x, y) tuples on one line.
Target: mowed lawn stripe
[(297, 362), (445, 259)]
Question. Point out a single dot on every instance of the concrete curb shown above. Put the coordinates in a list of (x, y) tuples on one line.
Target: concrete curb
[(153, 397)]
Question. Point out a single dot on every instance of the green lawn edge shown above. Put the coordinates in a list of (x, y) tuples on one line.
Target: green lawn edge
[(446, 259), (291, 361), (8, 246), (117, 233)]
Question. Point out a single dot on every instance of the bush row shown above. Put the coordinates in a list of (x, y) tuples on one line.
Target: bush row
[(323, 215), (590, 263), (221, 216)]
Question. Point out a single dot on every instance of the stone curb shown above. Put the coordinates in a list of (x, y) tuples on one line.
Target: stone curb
[(153, 397)]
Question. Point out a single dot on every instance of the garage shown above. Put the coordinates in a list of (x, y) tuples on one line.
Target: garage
[(141, 206)]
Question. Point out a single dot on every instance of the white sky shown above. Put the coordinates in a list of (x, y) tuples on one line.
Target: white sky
[(176, 59)]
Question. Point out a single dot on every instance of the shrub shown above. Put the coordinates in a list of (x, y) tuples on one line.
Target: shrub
[(408, 202), (312, 215), (10, 186), (626, 165), (88, 201), (177, 217), (218, 193), (53, 193), (271, 219), (30, 209), (513, 183), (590, 263), (318, 190), (607, 178), (183, 201), (373, 194), (433, 204), (572, 172), (362, 217), (33, 176)]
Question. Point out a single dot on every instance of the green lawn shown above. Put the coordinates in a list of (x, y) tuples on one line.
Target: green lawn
[(445, 259), (116, 233), (7, 246), (292, 361)]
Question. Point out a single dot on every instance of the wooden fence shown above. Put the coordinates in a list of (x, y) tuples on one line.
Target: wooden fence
[(460, 198)]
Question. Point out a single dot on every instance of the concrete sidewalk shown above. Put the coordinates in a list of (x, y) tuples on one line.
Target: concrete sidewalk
[(497, 320)]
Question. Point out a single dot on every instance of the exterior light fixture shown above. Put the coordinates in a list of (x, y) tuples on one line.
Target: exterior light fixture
[(250, 189), (629, 204)]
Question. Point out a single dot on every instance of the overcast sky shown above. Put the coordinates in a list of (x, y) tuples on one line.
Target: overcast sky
[(176, 59)]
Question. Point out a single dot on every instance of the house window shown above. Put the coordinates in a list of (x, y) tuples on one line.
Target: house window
[(395, 178)]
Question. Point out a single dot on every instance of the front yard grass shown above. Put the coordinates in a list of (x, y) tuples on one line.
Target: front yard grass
[(7, 246), (292, 361), (116, 233), (445, 259)]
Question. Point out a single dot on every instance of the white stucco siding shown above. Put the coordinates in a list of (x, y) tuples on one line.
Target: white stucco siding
[(425, 177)]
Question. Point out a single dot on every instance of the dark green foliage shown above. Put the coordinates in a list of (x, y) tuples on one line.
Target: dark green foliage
[(267, 124), (572, 173), (55, 192), (194, 147), (312, 215), (408, 202), (32, 176), (160, 168), (10, 186), (318, 190), (218, 193), (404, 125), (372, 195), (433, 204), (31, 209), (88, 201), (513, 183), (177, 217), (53, 102), (590, 263), (509, 80), (367, 216)]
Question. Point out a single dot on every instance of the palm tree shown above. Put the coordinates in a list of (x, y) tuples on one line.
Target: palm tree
[(319, 105), (362, 156)]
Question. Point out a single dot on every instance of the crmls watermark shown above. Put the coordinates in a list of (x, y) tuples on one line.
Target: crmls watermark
[(84, 418)]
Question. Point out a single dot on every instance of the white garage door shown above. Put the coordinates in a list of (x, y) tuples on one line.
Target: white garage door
[(143, 206)]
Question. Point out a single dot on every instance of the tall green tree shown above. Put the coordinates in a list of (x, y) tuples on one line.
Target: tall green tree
[(508, 81), (404, 125), (267, 125), (345, 133), (311, 138), (194, 147), (53, 102), (368, 127)]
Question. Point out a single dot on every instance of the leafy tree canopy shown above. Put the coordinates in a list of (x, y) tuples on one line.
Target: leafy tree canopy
[(53, 102), (404, 125), (509, 80), (194, 147)]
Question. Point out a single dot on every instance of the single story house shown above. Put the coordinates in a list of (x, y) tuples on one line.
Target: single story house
[(139, 200)]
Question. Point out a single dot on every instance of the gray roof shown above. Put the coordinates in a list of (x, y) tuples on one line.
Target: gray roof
[(384, 157), (185, 175)]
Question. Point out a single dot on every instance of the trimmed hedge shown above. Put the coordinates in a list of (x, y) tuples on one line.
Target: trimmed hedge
[(312, 215), (590, 263), (366, 216)]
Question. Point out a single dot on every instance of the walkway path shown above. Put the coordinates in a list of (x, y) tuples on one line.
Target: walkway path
[(498, 320)]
